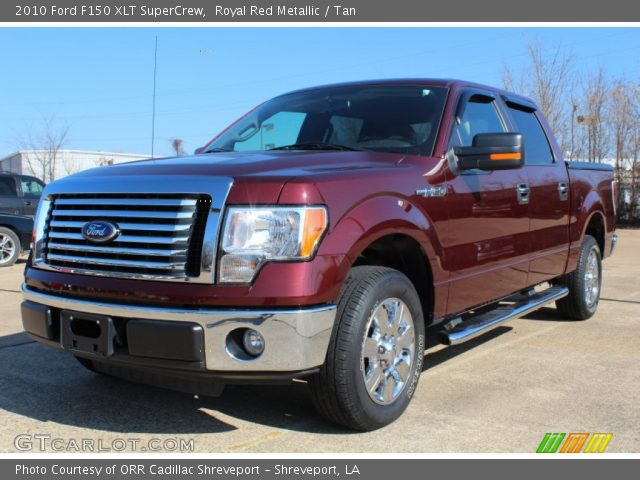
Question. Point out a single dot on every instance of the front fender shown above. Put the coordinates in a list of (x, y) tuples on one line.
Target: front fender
[(375, 218)]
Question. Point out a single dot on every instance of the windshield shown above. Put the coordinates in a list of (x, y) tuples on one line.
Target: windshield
[(398, 119)]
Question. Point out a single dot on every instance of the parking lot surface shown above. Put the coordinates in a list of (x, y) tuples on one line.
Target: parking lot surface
[(500, 392)]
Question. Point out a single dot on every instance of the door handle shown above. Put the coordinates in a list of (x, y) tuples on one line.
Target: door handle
[(522, 190), (563, 191), (27, 202)]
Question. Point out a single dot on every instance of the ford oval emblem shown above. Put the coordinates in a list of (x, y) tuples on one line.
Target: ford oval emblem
[(100, 231)]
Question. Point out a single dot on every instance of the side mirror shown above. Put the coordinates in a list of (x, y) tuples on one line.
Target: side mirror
[(492, 151), (198, 151)]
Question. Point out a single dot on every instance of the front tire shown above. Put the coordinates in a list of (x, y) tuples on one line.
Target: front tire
[(584, 283), (376, 351)]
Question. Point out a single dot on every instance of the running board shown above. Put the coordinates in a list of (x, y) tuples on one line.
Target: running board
[(458, 331)]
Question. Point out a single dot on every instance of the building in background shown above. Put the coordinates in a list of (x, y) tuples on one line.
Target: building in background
[(48, 165)]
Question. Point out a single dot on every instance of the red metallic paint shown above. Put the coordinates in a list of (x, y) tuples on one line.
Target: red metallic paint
[(476, 238)]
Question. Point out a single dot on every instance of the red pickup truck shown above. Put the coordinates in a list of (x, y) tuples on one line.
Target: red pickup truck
[(319, 237)]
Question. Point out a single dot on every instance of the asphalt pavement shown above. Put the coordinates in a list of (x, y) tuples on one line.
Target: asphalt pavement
[(500, 392)]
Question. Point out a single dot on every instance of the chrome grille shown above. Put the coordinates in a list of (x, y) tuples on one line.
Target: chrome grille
[(160, 235)]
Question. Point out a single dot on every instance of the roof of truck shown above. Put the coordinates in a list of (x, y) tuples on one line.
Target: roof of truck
[(435, 82)]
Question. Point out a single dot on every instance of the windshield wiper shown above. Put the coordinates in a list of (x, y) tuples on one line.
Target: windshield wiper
[(215, 150), (315, 146)]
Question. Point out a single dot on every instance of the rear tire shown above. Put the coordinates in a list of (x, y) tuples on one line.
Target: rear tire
[(584, 283), (375, 354), (10, 247)]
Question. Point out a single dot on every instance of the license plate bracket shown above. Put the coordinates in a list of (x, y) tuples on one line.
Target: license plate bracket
[(87, 333)]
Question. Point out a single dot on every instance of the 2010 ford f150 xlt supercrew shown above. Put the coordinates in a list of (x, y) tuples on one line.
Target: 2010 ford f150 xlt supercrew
[(321, 237)]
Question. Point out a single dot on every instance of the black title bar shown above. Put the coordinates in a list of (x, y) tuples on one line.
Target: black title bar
[(314, 469), (320, 11)]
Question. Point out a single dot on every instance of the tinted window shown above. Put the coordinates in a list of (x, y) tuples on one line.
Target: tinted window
[(31, 187), (479, 116), (536, 146), (278, 130), (399, 119), (345, 130), (7, 187)]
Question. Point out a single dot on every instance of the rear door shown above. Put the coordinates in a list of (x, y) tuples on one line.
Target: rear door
[(548, 195), (9, 200), (487, 237)]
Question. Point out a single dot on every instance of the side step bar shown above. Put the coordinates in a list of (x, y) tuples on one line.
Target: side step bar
[(459, 331)]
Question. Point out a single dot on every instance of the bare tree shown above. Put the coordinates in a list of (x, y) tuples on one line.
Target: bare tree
[(177, 145), (70, 164), (44, 143), (546, 79), (593, 116), (620, 114), (632, 167)]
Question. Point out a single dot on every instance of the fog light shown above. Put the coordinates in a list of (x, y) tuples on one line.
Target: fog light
[(253, 342)]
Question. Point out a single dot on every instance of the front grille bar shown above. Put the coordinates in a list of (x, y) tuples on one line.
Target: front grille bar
[(169, 233)]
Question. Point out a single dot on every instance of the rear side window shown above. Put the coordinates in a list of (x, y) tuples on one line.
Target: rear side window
[(536, 146), (8, 187)]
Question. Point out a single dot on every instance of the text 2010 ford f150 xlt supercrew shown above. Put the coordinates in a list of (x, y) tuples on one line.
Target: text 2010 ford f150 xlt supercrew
[(317, 238)]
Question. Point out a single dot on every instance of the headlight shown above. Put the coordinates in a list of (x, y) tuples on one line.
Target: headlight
[(255, 235)]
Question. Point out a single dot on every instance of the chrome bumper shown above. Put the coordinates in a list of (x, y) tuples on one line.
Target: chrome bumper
[(294, 339)]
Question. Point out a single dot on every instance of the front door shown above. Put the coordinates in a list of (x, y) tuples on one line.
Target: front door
[(486, 241)]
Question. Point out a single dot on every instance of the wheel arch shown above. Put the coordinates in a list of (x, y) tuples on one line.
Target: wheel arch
[(596, 227), (14, 230), (392, 232), (402, 252)]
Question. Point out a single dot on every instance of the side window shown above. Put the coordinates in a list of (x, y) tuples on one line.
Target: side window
[(536, 146), (280, 129), (8, 187), (480, 116), (31, 187)]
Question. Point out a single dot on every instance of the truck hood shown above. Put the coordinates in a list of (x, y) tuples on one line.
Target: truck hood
[(281, 164), (260, 177)]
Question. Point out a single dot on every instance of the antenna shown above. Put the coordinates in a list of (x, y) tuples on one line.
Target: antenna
[(153, 114)]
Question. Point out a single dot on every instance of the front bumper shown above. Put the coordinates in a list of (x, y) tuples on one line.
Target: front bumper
[(295, 339)]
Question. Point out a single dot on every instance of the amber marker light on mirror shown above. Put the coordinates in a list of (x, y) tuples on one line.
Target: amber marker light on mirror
[(505, 156)]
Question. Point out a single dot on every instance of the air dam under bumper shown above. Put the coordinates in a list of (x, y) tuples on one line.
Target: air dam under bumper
[(295, 339)]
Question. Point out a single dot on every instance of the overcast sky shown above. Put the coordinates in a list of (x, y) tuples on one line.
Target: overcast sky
[(98, 81)]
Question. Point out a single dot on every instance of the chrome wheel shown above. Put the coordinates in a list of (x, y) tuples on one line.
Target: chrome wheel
[(7, 248), (388, 351), (592, 279)]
